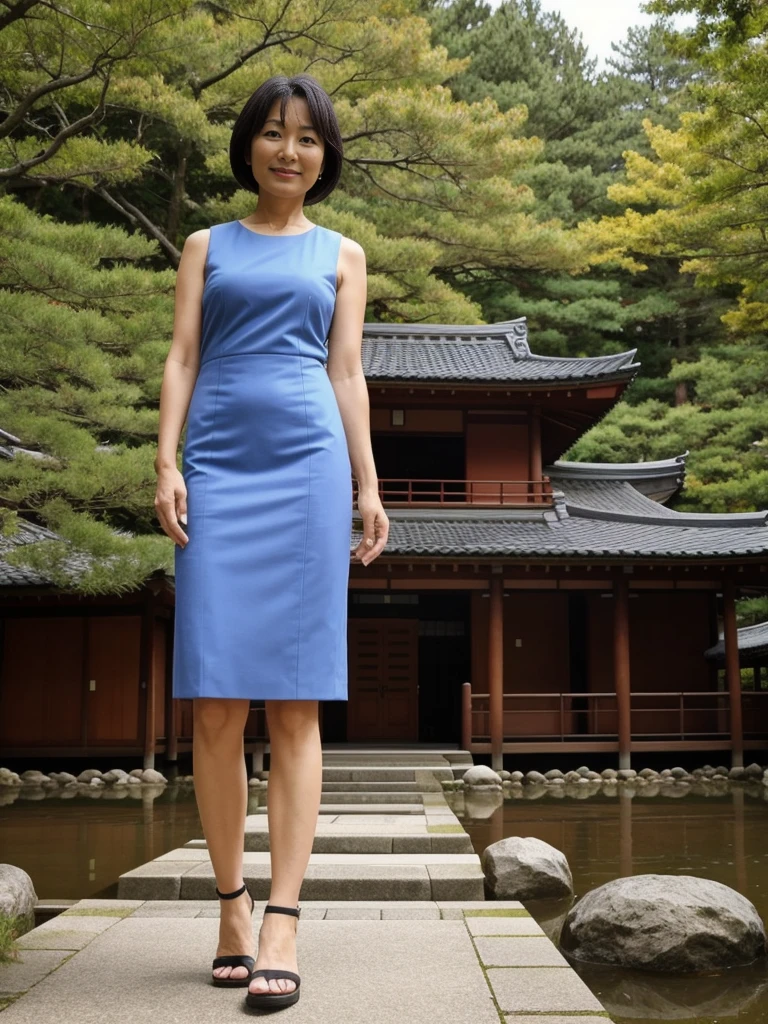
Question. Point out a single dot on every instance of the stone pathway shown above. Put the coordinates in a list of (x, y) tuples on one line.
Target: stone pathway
[(362, 962), (394, 925)]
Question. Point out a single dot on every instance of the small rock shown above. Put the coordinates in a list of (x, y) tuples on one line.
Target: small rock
[(666, 773), (557, 782), (97, 783), (526, 868), (121, 782), (608, 773), (584, 771), (63, 778), (150, 775), (754, 771), (17, 896), (136, 773), (133, 780), (647, 773), (9, 778), (679, 773), (553, 773), (481, 776), (516, 777), (88, 774), (625, 774), (33, 777), (594, 776), (722, 770), (572, 776), (504, 774), (737, 773), (534, 777)]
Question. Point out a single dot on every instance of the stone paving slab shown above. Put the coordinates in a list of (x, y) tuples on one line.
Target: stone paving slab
[(33, 966), (523, 925), (549, 1019), (517, 951), (539, 990), (66, 931), (201, 856)]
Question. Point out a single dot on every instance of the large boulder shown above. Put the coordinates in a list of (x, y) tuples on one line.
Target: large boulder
[(675, 923), (525, 868), (17, 896), (481, 775)]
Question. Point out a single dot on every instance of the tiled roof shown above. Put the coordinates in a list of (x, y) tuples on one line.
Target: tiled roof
[(659, 479), (23, 576), (484, 352), (590, 519), (752, 642), (570, 537)]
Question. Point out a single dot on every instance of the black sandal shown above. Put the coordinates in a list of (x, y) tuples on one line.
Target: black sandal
[(234, 960), (275, 1000)]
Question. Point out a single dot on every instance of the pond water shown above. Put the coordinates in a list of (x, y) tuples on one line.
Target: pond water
[(721, 836), (77, 847)]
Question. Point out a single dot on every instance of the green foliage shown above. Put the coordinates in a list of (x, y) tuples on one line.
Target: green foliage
[(10, 929)]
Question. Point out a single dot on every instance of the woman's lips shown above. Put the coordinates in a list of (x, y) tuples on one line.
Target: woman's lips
[(284, 174)]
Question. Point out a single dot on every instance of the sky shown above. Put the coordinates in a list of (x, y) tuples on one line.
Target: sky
[(602, 22)]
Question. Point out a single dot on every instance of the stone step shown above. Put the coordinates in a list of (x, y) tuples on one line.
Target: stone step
[(371, 787), (366, 808), (424, 775), (367, 797), (187, 874)]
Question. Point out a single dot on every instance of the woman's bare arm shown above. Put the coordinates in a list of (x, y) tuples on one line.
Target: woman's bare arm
[(345, 370), (181, 368)]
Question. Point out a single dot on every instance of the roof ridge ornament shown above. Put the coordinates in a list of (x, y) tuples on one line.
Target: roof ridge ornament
[(517, 337)]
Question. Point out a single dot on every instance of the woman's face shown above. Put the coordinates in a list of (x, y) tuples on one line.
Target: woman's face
[(294, 146)]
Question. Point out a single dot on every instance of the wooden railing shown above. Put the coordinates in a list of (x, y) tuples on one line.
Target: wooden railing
[(429, 492), (562, 717)]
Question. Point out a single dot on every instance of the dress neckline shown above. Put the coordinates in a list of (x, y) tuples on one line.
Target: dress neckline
[(263, 234)]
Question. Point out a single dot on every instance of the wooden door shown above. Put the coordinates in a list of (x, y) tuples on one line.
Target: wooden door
[(383, 681), (41, 685), (114, 701)]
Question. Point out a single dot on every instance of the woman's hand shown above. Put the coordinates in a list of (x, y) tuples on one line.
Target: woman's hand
[(171, 503), (375, 527)]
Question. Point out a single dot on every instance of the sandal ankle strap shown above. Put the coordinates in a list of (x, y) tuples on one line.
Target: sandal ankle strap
[(232, 895), (295, 911)]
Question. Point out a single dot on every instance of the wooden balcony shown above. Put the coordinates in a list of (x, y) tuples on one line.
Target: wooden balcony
[(573, 722), (427, 493)]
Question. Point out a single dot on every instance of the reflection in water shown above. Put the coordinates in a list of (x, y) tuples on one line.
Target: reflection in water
[(611, 831), (75, 844)]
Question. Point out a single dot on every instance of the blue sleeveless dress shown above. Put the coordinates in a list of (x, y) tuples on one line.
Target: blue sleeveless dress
[(261, 586)]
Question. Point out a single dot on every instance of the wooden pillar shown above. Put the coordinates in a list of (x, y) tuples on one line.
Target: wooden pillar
[(732, 673), (147, 678), (625, 832), (171, 738), (496, 670), (621, 667), (466, 716), (535, 469)]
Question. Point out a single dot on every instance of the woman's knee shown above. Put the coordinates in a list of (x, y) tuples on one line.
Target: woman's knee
[(213, 715), (292, 717)]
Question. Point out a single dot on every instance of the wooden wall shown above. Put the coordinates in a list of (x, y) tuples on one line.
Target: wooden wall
[(497, 451)]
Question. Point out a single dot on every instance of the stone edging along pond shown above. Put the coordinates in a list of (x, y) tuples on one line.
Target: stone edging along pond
[(483, 777)]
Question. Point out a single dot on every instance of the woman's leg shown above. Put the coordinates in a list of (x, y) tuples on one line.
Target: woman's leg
[(293, 802), (221, 789)]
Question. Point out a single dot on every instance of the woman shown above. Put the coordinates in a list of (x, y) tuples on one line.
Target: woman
[(266, 358)]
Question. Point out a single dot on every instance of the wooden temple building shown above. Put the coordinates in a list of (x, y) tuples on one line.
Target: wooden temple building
[(524, 604)]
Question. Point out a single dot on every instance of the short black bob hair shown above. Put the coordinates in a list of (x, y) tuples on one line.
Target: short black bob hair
[(255, 112)]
